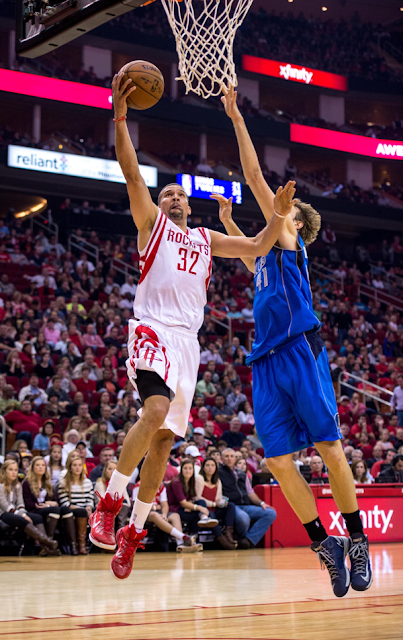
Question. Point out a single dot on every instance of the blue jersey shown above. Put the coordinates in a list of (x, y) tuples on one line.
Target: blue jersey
[(283, 299)]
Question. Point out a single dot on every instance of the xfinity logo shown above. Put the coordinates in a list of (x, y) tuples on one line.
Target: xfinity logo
[(390, 149), (287, 72), (376, 518)]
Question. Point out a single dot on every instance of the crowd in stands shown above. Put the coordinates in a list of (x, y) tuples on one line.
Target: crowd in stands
[(68, 405)]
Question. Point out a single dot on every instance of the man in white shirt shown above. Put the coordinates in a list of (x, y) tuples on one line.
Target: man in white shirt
[(39, 279), (128, 286), (83, 262), (72, 441), (32, 389), (60, 250), (247, 312)]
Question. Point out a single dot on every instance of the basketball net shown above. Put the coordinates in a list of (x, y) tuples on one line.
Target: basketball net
[(204, 31)]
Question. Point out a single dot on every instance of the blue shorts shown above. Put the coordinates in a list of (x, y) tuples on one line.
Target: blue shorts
[(293, 397)]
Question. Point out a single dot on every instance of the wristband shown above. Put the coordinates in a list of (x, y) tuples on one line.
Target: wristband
[(195, 507), (125, 118), (275, 212), (262, 503)]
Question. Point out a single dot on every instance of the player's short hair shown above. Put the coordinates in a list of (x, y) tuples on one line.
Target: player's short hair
[(171, 184), (311, 220)]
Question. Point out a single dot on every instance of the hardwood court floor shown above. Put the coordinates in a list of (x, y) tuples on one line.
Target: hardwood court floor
[(272, 594)]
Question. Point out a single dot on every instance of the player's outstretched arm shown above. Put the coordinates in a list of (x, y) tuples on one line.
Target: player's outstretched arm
[(235, 247), (143, 209), (225, 214)]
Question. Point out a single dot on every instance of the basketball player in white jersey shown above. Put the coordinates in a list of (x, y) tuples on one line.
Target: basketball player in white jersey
[(175, 264)]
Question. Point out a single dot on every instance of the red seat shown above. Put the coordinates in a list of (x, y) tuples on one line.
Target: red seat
[(242, 370), (97, 448), (224, 426), (246, 428), (94, 460), (101, 352), (210, 401), (14, 381), (260, 452)]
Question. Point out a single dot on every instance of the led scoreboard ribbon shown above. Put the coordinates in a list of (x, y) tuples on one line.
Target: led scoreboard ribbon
[(202, 187)]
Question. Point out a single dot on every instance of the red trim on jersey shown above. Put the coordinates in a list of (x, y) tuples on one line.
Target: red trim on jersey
[(153, 235), (204, 234), (167, 363), (151, 257)]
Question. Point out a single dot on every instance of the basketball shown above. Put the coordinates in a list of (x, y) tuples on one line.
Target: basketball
[(149, 82)]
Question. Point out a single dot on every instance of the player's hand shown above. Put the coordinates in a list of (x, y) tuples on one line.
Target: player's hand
[(284, 199), (225, 210), (229, 101), (120, 93)]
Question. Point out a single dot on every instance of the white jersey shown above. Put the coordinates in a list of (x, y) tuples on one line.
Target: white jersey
[(175, 273)]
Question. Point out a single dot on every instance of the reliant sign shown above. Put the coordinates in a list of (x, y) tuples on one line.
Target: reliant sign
[(68, 164), (294, 72), (348, 142), (28, 84)]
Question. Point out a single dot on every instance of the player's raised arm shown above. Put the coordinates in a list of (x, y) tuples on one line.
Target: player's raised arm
[(249, 160), (143, 209), (235, 247), (225, 214)]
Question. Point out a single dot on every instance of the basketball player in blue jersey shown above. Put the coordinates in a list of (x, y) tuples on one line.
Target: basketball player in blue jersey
[(293, 396)]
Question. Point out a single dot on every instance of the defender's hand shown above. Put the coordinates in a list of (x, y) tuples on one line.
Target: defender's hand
[(284, 198), (229, 102), (225, 210), (120, 93)]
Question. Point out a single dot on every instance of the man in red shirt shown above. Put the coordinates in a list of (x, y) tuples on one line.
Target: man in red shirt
[(85, 384), (4, 255), (382, 367), (359, 427), (24, 422)]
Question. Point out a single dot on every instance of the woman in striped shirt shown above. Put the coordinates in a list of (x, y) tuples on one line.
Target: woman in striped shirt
[(76, 491)]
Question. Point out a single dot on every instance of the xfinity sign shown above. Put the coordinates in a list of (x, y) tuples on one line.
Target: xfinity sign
[(376, 518), (68, 164), (295, 73)]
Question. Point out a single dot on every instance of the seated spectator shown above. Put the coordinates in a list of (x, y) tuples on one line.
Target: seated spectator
[(100, 435), (385, 439), (356, 407), (209, 489), (377, 456), (361, 474), (253, 459), (201, 441), (249, 507), (84, 383), (63, 397), (7, 401), (221, 411), (224, 389), (91, 339), (234, 437), (356, 455), (245, 413), (52, 335), (181, 493), (72, 438), (14, 366), (44, 369), (361, 426), (377, 466), (317, 466), (101, 486), (107, 382), (399, 438), (86, 421), (167, 522), (54, 462), (235, 398), (394, 473), (84, 454), (89, 361), (13, 511), (24, 422), (212, 431), (111, 421), (205, 387), (39, 497), (345, 433), (76, 492), (106, 454), (41, 440), (35, 393), (397, 400)]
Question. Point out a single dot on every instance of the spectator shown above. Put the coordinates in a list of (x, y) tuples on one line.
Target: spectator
[(200, 440), (360, 473), (76, 491), (111, 422), (84, 384), (247, 312), (13, 511), (377, 466), (39, 496), (35, 393), (72, 438), (24, 422), (205, 387), (394, 473), (356, 407), (234, 437), (106, 454), (41, 440), (235, 398), (101, 435), (221, 411), (181, 494), (54, 463), (101, 486), (63, 398), (85, 453), (7, 401), (14, 366), (317, 465), (397, 400), (245, 413), (91, 339), (249, 507)]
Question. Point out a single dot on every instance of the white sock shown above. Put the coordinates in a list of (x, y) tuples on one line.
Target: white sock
[(177, 534), (117, 484), (140, 514)]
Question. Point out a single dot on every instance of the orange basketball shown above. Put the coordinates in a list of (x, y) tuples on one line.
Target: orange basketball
[(149, 82)]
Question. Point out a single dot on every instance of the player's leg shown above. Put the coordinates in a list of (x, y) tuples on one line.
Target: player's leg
[(343, 490), (155, 395)]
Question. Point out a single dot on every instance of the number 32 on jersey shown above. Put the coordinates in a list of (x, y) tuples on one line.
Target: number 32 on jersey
[(188, 262), (261, 274)]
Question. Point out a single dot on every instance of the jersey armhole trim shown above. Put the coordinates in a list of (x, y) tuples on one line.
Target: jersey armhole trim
[(157, 224)]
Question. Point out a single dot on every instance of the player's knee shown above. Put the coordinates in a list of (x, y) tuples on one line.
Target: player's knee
[(155, 411), (280, 464)]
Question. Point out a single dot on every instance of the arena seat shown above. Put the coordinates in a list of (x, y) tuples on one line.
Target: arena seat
[(97, 448), (14, 381), (246, 428)]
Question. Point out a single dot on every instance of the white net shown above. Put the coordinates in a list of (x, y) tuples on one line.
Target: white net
[(204, 31)]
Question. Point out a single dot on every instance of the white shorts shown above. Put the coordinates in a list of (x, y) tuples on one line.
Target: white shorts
[(174, 354)]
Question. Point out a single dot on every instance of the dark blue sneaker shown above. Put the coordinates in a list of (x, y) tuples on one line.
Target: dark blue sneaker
[(332, 554), (361, 572)]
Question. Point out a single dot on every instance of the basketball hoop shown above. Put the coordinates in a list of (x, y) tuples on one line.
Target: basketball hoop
[(204, 31)]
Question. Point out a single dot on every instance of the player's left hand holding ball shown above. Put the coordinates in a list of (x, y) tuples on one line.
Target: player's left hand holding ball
[(120, 93), (284, 199), (225, 206)]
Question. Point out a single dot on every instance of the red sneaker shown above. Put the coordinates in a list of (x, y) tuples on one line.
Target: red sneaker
[(102, 521), (129, 540)]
